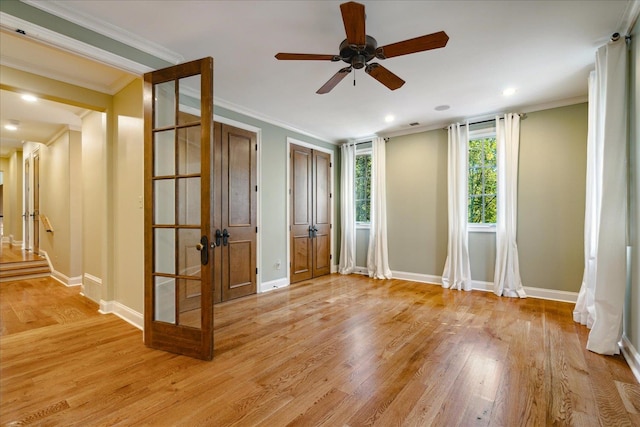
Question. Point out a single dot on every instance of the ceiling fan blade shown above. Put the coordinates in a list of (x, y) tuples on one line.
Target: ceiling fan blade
[(306, 57), (353, 18), (333, 81), (384, 76), (418, 44)]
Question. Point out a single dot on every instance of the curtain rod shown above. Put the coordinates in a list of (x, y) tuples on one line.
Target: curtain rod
[(366, 142), (522, 116)]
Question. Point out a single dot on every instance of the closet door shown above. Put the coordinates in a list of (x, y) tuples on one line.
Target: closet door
[(310, 216), (321, 240), (235, 212), (301, 227)]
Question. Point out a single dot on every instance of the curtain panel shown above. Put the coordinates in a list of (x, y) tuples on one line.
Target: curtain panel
[(457, 268), (378, 255), (601, 298), (507, 281), (347, 263)]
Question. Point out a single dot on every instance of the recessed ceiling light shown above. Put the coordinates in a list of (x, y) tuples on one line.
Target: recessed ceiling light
[(29, 98), (389, 118), (11, 126), (509, 91), (442, 107)]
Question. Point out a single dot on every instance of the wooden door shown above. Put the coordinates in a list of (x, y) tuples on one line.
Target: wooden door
[(321, 213), (301, 227), (178, 177), (36, 203), (235, 216), (310, 226)]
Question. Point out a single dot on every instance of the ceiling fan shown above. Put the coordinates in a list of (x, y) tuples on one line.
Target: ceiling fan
[(359, 48)]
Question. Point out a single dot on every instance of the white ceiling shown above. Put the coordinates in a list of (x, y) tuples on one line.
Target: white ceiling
[(545, 49)]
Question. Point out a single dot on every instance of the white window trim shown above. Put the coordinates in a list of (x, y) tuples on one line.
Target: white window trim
[(359, 152)]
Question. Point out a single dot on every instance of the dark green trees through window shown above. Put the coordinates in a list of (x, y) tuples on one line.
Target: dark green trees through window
[(482, 181), (363, 188)]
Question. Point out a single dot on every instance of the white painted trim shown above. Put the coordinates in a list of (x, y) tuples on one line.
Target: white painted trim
[(273, 284), (361, 270), (294, 141), (334, 268), (69, 44), (417, 277), (6, 239), (522, 109), (122, 311), (106, 29), (481, 228), (631, 356), (478, 285), (259, 116), (91, 287)]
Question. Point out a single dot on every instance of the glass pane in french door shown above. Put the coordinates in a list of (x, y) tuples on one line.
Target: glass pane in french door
[(176, 193)]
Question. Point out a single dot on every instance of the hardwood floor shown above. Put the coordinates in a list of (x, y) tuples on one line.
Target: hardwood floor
[(333, 351)]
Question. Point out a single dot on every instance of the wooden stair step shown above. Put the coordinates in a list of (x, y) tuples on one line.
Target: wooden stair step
[(25, 271), (14, 266)]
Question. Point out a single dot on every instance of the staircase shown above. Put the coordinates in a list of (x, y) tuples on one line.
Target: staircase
[(22, 270)]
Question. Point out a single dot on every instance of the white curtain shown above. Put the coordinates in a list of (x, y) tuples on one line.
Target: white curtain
[(506, 279), (347, 210), (601, 297), (378, 255), (457, 269)]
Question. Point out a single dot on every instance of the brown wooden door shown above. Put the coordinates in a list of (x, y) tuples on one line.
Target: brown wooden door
[(177, 177), (36, 203), (310, 216), (235, 198), (321, 213), (301, 227)]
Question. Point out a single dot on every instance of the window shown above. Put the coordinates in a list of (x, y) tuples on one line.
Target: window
[(483, 177), (363, 188)]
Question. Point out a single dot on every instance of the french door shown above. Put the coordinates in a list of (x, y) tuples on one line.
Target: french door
[(36, 203), (310, 217), (178, 109)]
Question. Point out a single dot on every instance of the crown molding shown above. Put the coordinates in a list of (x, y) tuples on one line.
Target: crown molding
[(51, 38), (106, 29), (258, 116)]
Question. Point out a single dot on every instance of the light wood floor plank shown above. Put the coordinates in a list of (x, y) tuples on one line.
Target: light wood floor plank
[(333, 351)]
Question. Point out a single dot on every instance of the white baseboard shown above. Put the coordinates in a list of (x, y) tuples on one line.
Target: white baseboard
[(361, 270), (631, 356), (334, 268), (6, 239), (273, 284), (92, 287), (417, 277), (478, 285), (122, 311)]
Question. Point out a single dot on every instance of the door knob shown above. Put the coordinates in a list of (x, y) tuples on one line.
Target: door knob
[(203, 247), (199, 247)]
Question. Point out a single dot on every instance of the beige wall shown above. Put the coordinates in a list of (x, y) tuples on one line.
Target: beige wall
[(417, 202), (13, 198), (4, 167), (94, 213), (127, 197), (551, 198), (550, 203), (59, 174)]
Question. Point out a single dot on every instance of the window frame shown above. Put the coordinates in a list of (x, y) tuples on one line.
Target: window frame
[(480, 133), (366, 151)]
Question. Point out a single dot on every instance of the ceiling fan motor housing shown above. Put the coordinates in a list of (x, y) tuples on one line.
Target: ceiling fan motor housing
[(358, 56)]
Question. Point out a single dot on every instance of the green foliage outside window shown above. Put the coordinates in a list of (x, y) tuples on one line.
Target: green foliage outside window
[(483, 178), (363, 188)]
